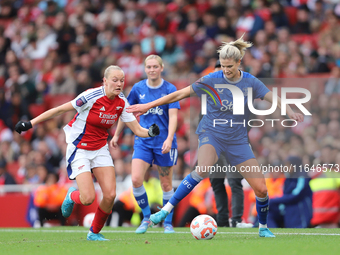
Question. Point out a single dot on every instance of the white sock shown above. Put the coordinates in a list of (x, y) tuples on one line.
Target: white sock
[(168, 207), (262, 225)]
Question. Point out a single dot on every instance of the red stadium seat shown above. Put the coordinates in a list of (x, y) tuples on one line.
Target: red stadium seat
[(13, 168), (180, 38), (56, 100), (291, 14), (150, 8), (36, 109)]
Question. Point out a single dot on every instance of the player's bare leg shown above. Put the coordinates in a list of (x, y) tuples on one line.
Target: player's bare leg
[(106, 178), (207, 157), (165, 177), (85, 195), (251, 171), (138, 171)]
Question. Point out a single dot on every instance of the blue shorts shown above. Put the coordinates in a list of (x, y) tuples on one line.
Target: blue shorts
[(234, 153), (155, 156)]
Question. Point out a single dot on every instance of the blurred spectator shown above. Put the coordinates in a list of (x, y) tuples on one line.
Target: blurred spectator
[(171, 50), (108, 37), (153, 43), (7, 10), (210, 24), (83, 82), (326, 197), (5, 133), (48, 199), (278, 15), (333, 83), (318, 62), (194, 41), (302, 24), (224, 27), (40, 44), (81, 15), (111, 14), (5, 177), (29, 69), (63, 82), (18, 109), (293, 209)]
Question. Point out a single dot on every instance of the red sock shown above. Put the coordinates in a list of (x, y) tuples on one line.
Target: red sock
[(99, 220), (75, 196)]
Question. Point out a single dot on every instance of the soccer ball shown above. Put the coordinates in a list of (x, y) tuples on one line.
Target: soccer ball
[(203, 227), (88, 220)]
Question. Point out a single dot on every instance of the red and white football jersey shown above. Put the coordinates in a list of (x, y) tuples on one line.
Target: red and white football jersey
[(96, 114)]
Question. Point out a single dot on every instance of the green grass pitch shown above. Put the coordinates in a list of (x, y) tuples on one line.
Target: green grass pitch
[(123, 241)]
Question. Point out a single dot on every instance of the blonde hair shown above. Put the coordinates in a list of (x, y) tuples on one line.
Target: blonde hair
[(234, 50), (110, 68), (158, 58)]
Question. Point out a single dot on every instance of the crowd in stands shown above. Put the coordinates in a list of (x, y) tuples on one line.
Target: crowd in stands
[(50, 51)]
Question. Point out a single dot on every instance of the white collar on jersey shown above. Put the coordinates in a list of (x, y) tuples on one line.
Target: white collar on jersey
[(234, 82), (160, 85)]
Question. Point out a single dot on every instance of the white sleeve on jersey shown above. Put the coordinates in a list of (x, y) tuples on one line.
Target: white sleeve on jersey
[(81, 102), (125, 116)]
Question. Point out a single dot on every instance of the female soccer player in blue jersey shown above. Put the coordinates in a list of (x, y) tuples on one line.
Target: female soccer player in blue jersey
[(227, 139), (162, 150)]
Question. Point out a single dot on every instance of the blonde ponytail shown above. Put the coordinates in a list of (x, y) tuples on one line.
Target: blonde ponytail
[(234, 50)]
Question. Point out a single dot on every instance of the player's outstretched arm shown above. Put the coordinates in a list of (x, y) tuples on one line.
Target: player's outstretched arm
[(291, 114), (138, 130), (24, 126), (173, 97)]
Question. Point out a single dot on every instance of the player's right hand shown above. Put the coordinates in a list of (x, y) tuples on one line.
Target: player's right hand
[(139, 109), (114, 142), (22, 126)]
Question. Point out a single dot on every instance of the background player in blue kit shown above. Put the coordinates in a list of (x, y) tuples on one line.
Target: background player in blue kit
[(161, 151), (217, 139)]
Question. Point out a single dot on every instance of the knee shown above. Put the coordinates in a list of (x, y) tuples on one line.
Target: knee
[(202, 171), (261, 191), (88, 199), (137, 182), (110, 196), (166, 186)]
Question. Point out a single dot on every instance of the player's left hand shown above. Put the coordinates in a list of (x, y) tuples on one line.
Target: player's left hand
[(166, 146), (296, 116), (153, 130), (114, 142), (22, 126)]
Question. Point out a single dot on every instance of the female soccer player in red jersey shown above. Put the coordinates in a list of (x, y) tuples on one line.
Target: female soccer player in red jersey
[(87, 149)]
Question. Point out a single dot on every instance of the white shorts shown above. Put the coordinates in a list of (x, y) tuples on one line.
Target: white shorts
[(79, 161)]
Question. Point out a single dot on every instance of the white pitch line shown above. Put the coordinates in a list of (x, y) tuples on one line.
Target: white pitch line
[(157, 232)]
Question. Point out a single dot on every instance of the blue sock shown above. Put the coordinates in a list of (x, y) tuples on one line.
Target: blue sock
[(262, 208), (142, 200), (166, 197), (186, 186)]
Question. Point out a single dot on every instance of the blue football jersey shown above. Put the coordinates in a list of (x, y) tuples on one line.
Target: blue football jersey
[(220, 106), (142, 93)]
